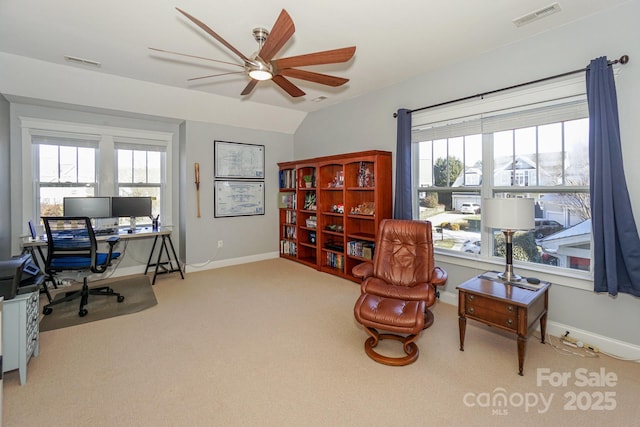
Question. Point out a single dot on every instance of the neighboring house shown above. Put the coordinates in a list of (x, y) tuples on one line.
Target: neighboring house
[(471, 176), (523, 172), (571, 246)]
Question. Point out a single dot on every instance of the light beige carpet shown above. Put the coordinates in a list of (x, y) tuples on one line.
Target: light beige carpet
[(138, 295), (275, 343)]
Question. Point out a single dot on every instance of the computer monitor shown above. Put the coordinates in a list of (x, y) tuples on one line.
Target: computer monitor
[(131, 207), (92, 207)]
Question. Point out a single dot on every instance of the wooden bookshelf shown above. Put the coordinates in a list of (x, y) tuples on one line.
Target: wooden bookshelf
[(331, 223)]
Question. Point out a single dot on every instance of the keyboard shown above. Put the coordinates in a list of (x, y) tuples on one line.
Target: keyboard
[(105, 231)]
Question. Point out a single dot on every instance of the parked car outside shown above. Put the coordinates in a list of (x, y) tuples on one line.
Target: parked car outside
[(549, 259), (545, 227), (470, 208), (471, 246)]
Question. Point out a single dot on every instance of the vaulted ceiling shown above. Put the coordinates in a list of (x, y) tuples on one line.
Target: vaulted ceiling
[(395, 40)]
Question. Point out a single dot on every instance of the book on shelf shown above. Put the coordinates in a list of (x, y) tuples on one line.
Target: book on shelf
[(335, 261), (290, 217), (288, 247), (288, 178), (289, 232), (287, 200), (361, 248)]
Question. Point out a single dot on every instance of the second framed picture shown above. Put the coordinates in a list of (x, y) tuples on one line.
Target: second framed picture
[(238, 198)]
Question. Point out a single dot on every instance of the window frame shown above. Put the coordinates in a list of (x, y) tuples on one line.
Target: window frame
[(566, 88), (105, 157), (146, 147)]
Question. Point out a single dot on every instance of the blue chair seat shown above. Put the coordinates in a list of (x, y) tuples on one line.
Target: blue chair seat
[(77, 262)]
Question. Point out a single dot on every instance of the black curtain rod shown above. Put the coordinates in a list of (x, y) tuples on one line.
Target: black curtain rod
[(623, 60)]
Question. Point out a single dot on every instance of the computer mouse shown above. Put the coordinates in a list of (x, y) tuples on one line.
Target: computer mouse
[(533, 280)]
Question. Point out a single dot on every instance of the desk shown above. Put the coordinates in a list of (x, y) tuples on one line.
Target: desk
[(508, 307), (164, 234)]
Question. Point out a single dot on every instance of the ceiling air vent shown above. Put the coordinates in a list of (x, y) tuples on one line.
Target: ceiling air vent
[(538, 14), (82, 61)]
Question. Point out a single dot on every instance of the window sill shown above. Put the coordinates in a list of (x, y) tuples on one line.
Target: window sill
[(563, 277)]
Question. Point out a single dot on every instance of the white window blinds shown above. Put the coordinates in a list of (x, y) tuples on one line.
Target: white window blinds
[(540, 105)]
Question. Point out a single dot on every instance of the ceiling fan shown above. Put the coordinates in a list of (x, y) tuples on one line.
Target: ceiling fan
[(262, 66)]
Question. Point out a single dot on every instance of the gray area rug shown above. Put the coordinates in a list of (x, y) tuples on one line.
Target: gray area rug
[(138, 295)]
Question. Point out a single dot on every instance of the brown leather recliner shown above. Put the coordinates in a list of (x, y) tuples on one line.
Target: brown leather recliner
[(398, 287)]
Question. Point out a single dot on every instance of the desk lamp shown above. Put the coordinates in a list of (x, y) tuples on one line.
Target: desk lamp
[(509, 215)]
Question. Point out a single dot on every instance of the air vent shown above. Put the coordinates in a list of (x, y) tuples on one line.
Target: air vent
[(538, 14), (82, 61), (319, 99)]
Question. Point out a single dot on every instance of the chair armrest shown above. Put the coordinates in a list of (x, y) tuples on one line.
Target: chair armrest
[(363, 270), (439, 277), (113, 240)]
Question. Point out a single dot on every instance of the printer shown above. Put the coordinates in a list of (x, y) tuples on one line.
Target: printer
[(19, 275)]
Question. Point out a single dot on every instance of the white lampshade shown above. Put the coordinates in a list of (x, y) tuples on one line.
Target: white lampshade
[(508, 214)]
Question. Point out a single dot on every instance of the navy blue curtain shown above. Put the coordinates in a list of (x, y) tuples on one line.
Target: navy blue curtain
[(402, 208), (616, 263)]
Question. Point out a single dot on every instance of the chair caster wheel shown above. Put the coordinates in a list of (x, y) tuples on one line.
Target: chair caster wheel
[(120, 298), (83, 312), (47, 310)]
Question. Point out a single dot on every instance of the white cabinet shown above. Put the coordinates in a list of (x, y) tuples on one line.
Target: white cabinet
[(20, 333)]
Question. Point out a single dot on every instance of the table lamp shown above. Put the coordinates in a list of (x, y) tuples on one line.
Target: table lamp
[(509, 215)]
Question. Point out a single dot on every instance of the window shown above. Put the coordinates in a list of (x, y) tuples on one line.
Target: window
[(530, 144), (64, 159), (140, 172), (66, 167)]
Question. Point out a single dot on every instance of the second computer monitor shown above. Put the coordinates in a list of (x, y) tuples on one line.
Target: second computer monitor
[(131, 207)]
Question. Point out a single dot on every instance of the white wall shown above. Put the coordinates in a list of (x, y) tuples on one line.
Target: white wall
[(248, 237), (367, 123)]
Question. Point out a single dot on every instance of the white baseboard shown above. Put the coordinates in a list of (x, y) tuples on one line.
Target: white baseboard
[(232, 261), (610, 346)]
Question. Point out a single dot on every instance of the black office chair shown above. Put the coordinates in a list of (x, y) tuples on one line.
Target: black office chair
[(72, 245)]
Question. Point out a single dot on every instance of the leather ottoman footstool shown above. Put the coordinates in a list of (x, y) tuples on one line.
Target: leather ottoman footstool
[(395, 315)]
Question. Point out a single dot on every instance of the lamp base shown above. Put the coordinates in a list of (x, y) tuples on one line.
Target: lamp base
[(509, 277)]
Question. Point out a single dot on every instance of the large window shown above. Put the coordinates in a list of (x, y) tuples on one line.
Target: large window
[(140, 172), (533, 146), (68, 159), (66, 167)]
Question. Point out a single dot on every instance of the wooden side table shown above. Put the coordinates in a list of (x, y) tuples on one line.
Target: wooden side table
[(509, 307)]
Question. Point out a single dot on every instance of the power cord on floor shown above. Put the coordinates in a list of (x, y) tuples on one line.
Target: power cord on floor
[(568, 348), (205, 263), (571, 348)]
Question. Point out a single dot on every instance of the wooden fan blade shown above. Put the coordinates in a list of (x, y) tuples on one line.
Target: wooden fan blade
[(247, 90), (323, 79), (194, 56), (281, 32), (288, 87), (326, 57), (213, 34), (215, 75)]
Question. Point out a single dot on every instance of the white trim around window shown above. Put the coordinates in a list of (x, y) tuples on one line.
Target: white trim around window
[(106, 137)]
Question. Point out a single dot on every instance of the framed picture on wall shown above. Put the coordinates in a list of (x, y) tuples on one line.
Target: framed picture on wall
[(234, 160), (238, 198)]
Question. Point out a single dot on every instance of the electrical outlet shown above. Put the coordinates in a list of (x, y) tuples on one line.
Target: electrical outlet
[(220, 243)]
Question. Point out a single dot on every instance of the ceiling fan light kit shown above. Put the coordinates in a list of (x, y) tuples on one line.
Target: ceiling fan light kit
[(261, 66)]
